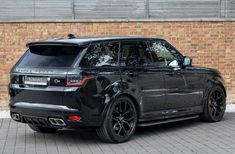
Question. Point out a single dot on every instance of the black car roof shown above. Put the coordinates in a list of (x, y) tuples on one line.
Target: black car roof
[(86, 40)]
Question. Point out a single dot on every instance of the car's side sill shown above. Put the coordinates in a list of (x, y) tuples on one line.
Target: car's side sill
[(166, 121)]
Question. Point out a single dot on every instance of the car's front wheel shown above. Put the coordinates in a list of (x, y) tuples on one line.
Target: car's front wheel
[(42, 129), (215, 105), (120, 122)]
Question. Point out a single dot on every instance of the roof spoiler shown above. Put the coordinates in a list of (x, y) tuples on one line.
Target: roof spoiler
[(51, 43), (70, 36)]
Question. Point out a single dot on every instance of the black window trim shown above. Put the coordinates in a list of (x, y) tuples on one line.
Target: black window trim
[(145, 41)]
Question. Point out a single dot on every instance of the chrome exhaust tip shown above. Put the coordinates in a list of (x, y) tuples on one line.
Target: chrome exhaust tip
[(15, 116), (57, 121)]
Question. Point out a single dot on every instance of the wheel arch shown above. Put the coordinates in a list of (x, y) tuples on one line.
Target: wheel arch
[(210, 82), (219, 83), (215, 80), (222, 86)]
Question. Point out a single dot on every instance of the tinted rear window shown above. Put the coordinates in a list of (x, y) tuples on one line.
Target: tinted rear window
[(50, 56)]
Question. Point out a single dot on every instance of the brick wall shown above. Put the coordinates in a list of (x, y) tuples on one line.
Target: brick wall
[(210, 44)]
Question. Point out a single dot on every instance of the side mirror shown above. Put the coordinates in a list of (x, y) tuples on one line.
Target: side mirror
[(174, 63), (187, 61)]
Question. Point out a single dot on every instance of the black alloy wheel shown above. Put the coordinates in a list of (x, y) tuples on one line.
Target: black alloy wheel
[(123, 118), (216, 104), (120, 122)]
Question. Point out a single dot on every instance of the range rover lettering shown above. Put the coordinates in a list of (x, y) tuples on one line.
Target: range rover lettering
[(111, 84)]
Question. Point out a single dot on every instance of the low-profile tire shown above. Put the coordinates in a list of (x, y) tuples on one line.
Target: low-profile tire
[(120, 121), (42, 129), (215, 105)]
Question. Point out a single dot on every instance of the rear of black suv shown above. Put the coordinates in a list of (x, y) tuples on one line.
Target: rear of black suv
[(48, 92), (112, 84)]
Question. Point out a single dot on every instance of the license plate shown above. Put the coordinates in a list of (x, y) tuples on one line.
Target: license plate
[(42, 81)]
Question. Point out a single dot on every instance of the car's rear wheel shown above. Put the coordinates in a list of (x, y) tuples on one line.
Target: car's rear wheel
[(42, 129), (120, 122), (215, 105)]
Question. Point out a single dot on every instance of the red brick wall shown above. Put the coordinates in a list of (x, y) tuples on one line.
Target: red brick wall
[(210, 44)]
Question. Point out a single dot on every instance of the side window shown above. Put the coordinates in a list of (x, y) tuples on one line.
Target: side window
[(134, 53), (101, 54), (163, 54)]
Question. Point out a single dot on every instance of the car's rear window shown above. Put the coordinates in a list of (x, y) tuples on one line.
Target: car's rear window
[(50, 56)]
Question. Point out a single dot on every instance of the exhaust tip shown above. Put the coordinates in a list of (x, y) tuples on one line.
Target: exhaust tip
[(15, 116), (57, 121)]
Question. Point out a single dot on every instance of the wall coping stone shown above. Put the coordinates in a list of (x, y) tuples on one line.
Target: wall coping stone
[(120, 20)]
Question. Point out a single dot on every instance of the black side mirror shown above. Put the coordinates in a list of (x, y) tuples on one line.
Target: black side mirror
[(187, 61)]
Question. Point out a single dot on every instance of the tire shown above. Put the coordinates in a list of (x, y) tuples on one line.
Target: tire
[(215, 105), (120, 122), (42, 129)]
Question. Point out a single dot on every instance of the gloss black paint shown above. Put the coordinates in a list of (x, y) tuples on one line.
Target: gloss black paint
[(159, 93)]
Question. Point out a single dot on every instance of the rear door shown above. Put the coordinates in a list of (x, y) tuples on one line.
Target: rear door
[(40, 76), (101, 63), (146, 80)]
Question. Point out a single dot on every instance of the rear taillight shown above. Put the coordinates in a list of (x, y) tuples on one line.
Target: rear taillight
[(76, 81)]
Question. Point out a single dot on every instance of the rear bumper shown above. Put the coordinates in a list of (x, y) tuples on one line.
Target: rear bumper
[(39, 114)]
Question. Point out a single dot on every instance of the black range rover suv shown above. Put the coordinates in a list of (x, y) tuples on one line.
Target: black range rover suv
[(112, 84)]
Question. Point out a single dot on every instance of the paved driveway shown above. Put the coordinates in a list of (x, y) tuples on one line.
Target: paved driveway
[(181, 137)]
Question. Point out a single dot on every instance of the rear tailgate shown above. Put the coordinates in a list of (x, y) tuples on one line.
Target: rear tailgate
[(42, 87), (40, 75)]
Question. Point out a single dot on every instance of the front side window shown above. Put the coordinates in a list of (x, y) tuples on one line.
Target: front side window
[(163, 54), (101, 54), (134, 53)]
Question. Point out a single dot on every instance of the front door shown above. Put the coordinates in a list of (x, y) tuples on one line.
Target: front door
[(180, 97)]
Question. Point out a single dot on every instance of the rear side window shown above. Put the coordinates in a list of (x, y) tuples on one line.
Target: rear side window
[(50, 56), (101, 55)]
